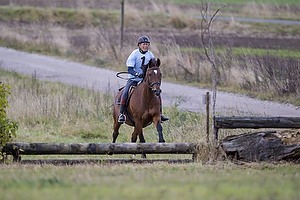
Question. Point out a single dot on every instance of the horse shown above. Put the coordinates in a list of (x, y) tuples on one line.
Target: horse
[(143, 107)]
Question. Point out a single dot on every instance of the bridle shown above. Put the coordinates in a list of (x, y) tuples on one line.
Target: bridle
[(150, 85)]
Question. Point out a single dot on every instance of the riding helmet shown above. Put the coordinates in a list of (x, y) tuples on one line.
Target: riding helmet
[(143, 39)]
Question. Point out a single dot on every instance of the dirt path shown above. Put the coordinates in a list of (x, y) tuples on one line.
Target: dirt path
[(188, 98)]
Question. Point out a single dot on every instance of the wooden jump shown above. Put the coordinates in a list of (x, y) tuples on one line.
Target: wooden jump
[(18, 149), (254, 122)]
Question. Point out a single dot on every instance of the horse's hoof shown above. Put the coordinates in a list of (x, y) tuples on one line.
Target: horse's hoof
[(144, 156), (162, 141)]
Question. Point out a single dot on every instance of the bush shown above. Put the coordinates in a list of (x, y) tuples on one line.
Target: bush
[(7, 128)]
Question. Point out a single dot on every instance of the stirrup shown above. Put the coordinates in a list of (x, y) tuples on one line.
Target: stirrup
[(163, 118), (122, 118)]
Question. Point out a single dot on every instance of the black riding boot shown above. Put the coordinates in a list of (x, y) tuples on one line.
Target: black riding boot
[(122, 117), (163, 118)]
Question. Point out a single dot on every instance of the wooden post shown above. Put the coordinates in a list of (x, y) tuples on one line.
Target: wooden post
[(122, 24), (215, 130), (207, 117)]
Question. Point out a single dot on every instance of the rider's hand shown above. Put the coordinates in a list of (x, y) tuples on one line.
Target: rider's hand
[(139, 75)]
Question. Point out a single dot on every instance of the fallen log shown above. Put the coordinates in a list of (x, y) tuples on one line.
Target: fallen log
[(18, 149), (255, 122), (264, 146), (100, 148)]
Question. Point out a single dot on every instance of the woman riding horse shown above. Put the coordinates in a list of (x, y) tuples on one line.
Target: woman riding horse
[(143, 106), (137, 59)]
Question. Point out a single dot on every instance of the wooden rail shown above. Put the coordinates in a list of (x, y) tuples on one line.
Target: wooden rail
[(17, 149), (254, 122)]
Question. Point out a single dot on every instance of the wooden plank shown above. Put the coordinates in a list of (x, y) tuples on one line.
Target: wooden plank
[(255, 122), (100, 148)]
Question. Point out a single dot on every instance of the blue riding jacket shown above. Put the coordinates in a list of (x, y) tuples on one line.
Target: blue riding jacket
[(134, 62)]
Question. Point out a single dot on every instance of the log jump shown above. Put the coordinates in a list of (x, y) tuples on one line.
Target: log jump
[(263, 145), (254, 122), (18, 149)]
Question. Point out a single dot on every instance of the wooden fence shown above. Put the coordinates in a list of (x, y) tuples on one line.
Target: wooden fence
[(254, 122), (225, 122), (18, 149)]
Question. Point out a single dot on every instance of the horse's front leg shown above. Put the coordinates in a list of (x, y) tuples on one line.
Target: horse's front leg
[(142, 140)]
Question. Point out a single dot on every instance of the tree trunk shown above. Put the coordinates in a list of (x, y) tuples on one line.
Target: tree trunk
[(264, 146)]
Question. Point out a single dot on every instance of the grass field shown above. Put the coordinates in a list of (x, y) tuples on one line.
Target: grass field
[(151, 181)]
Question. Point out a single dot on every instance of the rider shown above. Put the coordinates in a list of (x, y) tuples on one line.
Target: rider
[(138, 58)]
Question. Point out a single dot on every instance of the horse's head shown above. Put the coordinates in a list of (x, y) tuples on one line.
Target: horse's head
[(153, 76)]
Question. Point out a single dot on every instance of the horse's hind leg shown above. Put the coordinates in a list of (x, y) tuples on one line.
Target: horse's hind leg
[(138, 131)]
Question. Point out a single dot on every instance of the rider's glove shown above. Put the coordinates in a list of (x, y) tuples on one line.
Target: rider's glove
[(139, 75)]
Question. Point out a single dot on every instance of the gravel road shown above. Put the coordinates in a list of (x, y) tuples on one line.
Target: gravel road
[(188, 98)]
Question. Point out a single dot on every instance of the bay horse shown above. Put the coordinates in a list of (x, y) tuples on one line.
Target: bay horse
[(143, 107)]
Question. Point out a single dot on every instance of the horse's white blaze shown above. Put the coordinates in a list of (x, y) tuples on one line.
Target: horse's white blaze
[(155, 71)]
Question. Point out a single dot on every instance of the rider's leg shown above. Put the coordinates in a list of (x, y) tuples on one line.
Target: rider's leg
[(122, 117), (163, 118)]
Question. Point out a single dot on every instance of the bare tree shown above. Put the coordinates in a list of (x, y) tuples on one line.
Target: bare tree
[(207, 41)]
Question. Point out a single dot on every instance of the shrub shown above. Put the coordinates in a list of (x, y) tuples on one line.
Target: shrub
[(7, 128)]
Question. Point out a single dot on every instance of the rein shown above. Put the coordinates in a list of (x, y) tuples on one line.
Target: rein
[(155, 83)]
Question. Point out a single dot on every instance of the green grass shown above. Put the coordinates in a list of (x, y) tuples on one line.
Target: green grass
[(248, 51), (60, 16), (238, 2), (151, 181), (262, 52)]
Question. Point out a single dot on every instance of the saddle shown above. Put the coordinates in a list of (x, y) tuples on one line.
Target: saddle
[(131, 89)]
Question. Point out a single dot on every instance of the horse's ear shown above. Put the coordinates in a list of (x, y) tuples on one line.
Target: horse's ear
[(150, 63), (158, 62)]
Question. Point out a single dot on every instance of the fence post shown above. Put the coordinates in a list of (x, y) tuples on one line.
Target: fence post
[(207, 117), (122, 24)]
